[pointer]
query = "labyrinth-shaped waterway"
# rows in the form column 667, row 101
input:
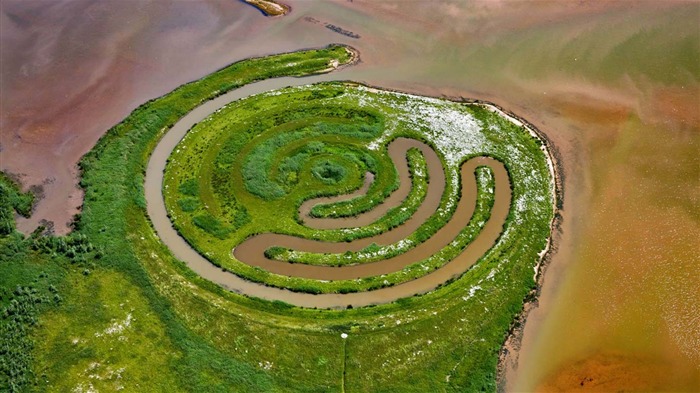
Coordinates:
column 338, row 194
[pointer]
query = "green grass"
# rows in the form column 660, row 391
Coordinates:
column 355, row 206
column 188, row 334
column 105, row 337
column 481, row 215
column 115, row 219
column 311, row 337
column 29, row 285
column 12, row 200
column 329, row 171
column 507, row 268
column 31, row 282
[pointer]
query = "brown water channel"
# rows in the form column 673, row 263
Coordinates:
column 252, row 250
column 182, row 250
column 397, row 151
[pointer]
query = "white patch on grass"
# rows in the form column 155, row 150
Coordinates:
column 116, row 327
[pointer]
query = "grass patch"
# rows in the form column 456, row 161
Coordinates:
column 12, row 200
column 104, row 337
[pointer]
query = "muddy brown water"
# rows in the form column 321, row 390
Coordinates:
column 252, row 250
column 254, row 247
column 397, row 151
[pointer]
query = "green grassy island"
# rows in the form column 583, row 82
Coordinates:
column 398, row 235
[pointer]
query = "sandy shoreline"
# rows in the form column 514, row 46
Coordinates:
column 509, row 351
column 270, row 8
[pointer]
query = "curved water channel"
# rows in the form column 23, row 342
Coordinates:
column 485, row 240
column 251, row 251
column 362, row 219
column 397, row 150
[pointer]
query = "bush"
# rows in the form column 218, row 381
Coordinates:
column 12, row 200
column 211, row 225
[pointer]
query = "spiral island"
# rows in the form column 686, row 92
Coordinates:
column 331, row 236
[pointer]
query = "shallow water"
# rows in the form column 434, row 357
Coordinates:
column 611, row 83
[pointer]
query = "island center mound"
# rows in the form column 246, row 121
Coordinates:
column 337, row 194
